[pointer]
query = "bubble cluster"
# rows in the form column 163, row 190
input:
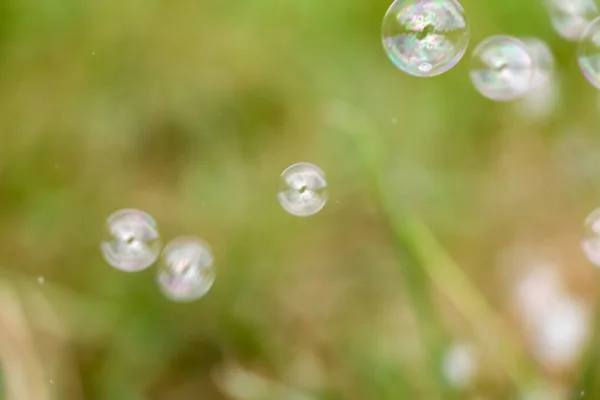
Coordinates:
column 591, row 237
column 302, row 190
column 501, row 68
column 425, row 37
column 187, row 271
column 133, row 241
column 570, row 17
column 589, row 53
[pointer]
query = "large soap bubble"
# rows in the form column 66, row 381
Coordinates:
column 425, row 37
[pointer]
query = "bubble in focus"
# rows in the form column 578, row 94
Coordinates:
column 302, row 189
column 570, row 17
column 589, row 53
column 187, row 271
column 133, row 242
column 425, row 37
column 501, row 68
column 591, row 237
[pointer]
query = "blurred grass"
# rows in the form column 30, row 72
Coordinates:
column 190, row 110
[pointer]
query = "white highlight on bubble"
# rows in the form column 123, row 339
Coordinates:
column 187, row 272
column 302, row 190
column 501, row 68
column 425, row 37
column 133, row 242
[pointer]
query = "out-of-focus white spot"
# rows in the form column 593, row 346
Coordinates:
column 556, row 324
column 460, row 365
column 536, row 292
column 561, row 333
column 40, row 280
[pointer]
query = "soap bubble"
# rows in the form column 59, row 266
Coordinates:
column 302, row 190
column 501, row 68
column 542, row 97
column 425, row 37
column 591, row 237
column 133, row 242
column 187, row 271
column 589, row 53
column 570, row 17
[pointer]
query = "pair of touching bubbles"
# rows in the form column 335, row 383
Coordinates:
column 133, row 244
column 426, row 38
column 186, row 271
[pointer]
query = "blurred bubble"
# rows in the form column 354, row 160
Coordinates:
column 542, row 96
column 459, row 365
column 570, row 17
column 501, row 68
column 302, row 189
column 425, row 37
column 133, row 242
column 41, row 280
column 589, row 53
column 187, row 271
column 591, row 237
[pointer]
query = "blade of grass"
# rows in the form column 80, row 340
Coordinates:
column 418, row 249
column 433, row 334
column 587, row 382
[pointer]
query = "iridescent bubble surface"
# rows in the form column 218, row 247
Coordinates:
column 187, row 271
column 425, row 37
column 302, row 190
column 133, row 241
column 501, row 68
column 590, row 243
column 570, row 17
column 589, row 53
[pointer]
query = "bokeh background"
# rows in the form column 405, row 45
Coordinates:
column 447, row 263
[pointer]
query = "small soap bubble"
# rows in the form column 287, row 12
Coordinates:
column 425, row 37
column 570, row 17
column 302, row 190
column 132, row 242
column 589, row 53
column 501, row 68
column 187, row 271
column 591, row 237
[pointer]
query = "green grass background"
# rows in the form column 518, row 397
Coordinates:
column 190, row 110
